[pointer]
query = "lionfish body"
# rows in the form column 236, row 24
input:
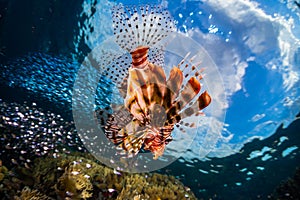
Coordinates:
column 153, row 103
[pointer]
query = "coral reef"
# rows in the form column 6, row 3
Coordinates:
column 74, row 183
column 79, row 176
column 153, row 186
column 73, row 177
column 3, row 171
column 28, row 194
column 289, row 189
column 6, row 186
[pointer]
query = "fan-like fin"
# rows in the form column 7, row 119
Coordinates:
column 190, row 90
column 133, row 137
column 157, row 56
column 203, row 101
column 140, row 25
column 174, row 82
column 117, row 70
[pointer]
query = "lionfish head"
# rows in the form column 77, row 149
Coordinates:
column 156, row 142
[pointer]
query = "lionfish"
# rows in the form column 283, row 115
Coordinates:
column 153, row 104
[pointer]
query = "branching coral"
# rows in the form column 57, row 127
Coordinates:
column 28, row 194
column 74, row 183
column 76, row 177
column 81, row 177
column 3, row 171
column 154, row 186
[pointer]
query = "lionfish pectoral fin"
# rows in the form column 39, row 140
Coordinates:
column 113, row 123
column 122, row 117
column 123, row 87
column 203, row 101
column 189, row 92
column 187, row 123
column 114, row 67
column 101, row 116
column 175, row 81
column 131, row 143
column 112, row 131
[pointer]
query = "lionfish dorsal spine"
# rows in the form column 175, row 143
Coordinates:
column 141, row 25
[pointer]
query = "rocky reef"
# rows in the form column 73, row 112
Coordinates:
column 80, row 176
column 290, row 188
column 3, row 171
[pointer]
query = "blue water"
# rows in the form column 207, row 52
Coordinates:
column 254, row 44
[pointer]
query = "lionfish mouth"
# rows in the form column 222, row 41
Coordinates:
column 157, row 148
column 158, row 151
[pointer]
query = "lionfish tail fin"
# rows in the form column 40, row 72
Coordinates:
column 140, row 25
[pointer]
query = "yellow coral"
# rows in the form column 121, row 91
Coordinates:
column 1, row 176
column 28, row 194
column 3, row 171
column 74, row 183
column 78, row 177
column 153, row 187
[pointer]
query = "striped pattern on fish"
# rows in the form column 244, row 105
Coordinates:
column 153, row 104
